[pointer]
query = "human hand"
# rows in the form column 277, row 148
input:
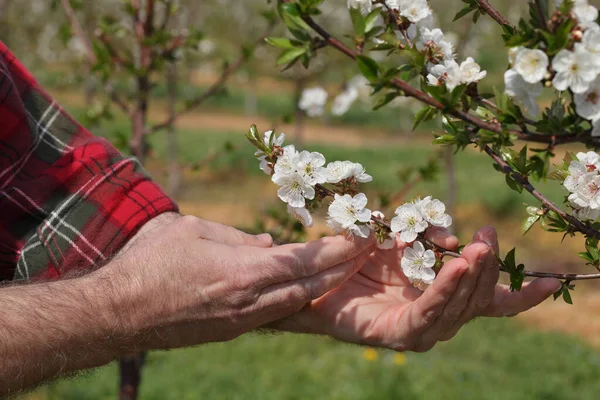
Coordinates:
column 187, row 281
column 379, row 307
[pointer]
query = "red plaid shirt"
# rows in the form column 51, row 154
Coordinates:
column 67, row 199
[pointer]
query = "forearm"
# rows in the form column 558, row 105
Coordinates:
column 56, row 328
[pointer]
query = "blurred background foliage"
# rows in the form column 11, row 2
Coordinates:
column 548, row 353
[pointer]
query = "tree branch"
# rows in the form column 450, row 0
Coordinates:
column 90, row 54
column 409, row 91
column 492, row 12
column 216, row 86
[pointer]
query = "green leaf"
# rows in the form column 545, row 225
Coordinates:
column 558, row 175
column 466, row 10
column 529, row 222
column 385, row 100
column 425, row 114
column 368, row 67
column 282, row 42
column 513, row 184
column 289, row 55
column 358, row 22
column 371, row 20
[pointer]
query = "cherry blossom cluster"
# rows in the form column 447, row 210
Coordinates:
column 442, row 67
column 583, row 183
column 305, row 180
column 574, row 69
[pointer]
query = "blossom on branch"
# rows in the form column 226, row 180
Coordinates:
column 409, row 222
column 417, row 263
column 294, row 189
column 524, row 93
column 302, row 215
column 434, row 212
column 575, row 70
column 532, row 65
column 349, row 214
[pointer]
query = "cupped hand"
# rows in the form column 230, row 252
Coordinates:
column 379, row 307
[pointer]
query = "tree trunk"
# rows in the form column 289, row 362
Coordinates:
column 138, row 145
column 131, row 375
column 174, row 174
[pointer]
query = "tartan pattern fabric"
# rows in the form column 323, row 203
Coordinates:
column 68, row 200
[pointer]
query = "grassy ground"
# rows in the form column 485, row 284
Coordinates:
column 489, row 360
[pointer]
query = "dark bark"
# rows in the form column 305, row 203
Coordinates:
column 174, row 174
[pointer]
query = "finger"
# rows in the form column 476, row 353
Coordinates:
column 509, row 304
column 484, row 291
column 490, row 236
column 300, row 260
column 459, row 304
column 423, row 313
column 217, row 232
column 284, row 299
column 442, row 237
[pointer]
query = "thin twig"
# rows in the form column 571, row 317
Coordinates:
column 216, row 86
column 90, row 54
column 492, row 12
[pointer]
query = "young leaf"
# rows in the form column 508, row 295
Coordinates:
column 282, row 42
column 425, row 114
column 368, row 67
column 289, row 55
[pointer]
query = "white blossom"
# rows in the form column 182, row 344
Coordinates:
column 524, row 93
column 586, row 213
column 313, row 101
column 417, row 263
column 287, row 162
column 591, row 43
column 294, row 190
column 512, row 54
column 310, row 166
column 585, row 12
column 409, row 222
column 587, row 193
column 337, row 171
column 532, row 65
column 575, row 70
column 302, row 215
column 471, row 72
column 434, row 212
column 348, row 214
column 344, row 101
column 359, row 173
column 448, row 72
column 264, row 165
column 434, row 38
column 586, row 163
column 414, row 10
column 588, row 103
column 364, row 6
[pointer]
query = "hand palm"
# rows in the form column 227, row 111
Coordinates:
column 378, row 306
column 373, row 302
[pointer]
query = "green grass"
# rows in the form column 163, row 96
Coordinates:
column 489, row 360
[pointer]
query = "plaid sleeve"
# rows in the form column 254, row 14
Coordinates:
column 67, row 199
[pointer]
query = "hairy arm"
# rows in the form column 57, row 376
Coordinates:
column 52, row 329
column 56, row 328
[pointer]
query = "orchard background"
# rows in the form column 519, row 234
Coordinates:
column 551, row 352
